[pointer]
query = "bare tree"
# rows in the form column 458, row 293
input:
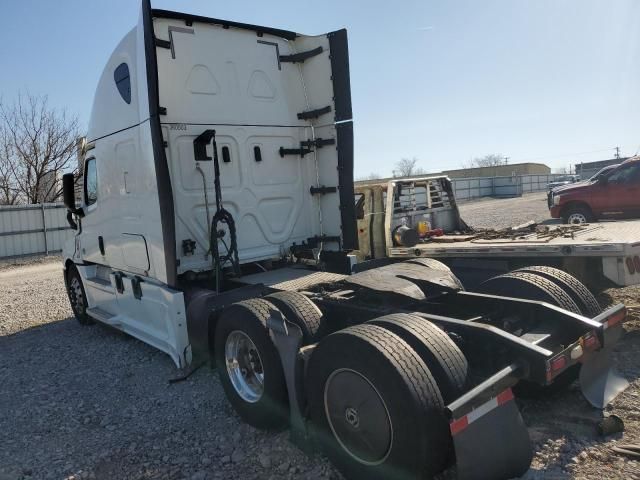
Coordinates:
column 37, row 145
column 491, row 160
column 406, row 168
column 8, row 189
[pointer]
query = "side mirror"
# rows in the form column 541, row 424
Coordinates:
column 69, row 199
column 69, row 191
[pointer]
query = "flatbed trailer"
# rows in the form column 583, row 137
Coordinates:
column 608, row 250
column 217, row 224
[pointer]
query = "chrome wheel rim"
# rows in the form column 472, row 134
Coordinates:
column 358, row 416
column 76, row 296
column 576, row 219
column 244, row 366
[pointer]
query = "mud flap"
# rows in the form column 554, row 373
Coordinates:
column 492, row 441
column 287, row 337
column 599, row 381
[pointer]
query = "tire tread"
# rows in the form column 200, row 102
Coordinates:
column 300, row 310
column 446, row 361
column 556, row 295
column 574, row 287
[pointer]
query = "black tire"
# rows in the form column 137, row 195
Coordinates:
column 580, row 294
column 77, row 296
column 529, row 286
column 577, row 211
column 303, row 312
column 270, row 410
column 375, row 408
column 535, row 287
column 442, row 356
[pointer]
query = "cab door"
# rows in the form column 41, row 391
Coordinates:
column 621, row 193
column 91, row 239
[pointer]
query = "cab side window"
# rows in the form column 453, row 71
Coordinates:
column 90, row 182
column 630, row 174
column 123, row 81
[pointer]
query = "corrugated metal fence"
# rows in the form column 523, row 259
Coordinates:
column 33, row 229
column 43, row 228
column 511, row 186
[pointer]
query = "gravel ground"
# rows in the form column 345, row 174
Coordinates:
column 506, row 212
column 90, row 402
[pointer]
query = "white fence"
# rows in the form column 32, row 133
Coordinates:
column 33, row 229
column 43, row 228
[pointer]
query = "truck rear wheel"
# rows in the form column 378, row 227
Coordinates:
column 534, row 287
column 442, row 356
column 375, row 407
column 529, row 286
column 249, row 365
column 578, row 292
column 300, row 310
column 77, row 296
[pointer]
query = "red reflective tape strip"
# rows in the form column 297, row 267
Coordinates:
column 458, row 425
column 505, row 396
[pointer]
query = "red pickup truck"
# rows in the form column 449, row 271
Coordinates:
column 611, row 196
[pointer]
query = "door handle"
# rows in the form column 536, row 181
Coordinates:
column 101, row 245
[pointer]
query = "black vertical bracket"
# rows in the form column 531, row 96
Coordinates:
column 200, row 145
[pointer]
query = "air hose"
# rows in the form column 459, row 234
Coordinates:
column 222, row 217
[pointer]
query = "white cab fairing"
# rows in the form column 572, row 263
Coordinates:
column 234, row 81
column 171, row 78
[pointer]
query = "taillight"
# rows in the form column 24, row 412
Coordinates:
column 589, row 341
column 558, row 364
column 615, row 318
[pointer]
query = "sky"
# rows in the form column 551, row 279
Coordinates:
column 444, row 81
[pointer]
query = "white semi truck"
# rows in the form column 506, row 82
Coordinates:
column 217, row 222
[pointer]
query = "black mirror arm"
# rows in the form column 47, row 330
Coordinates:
column 71, row 221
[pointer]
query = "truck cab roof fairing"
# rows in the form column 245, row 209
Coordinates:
column 110, row 113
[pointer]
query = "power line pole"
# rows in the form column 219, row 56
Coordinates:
column 506, row 160
column 618, row 153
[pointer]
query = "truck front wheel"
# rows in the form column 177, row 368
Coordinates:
column 77, row 296
column 249, row 366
